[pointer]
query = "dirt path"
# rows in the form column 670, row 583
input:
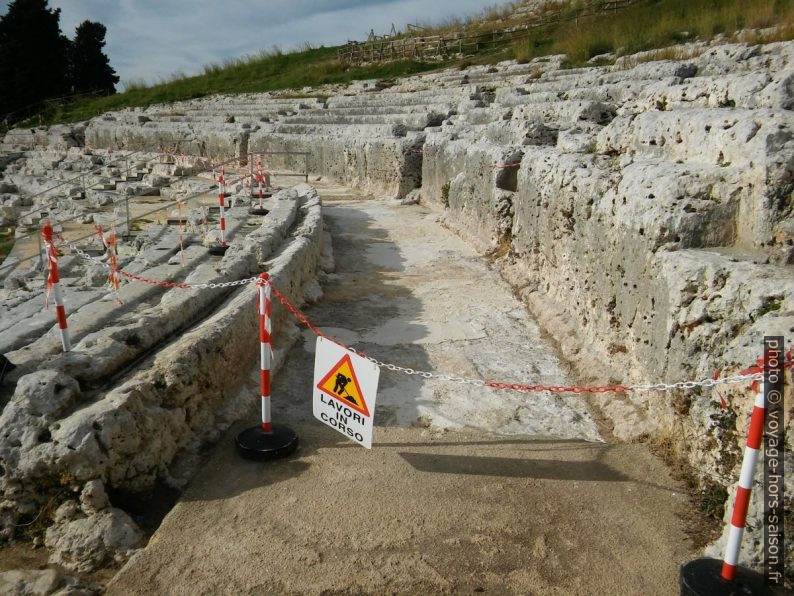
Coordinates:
column 466, row 489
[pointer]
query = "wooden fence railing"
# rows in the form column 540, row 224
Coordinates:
column 439, row 47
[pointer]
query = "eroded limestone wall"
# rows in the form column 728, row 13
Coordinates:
column 83, row 417
column 643, row 210
column 649, row 226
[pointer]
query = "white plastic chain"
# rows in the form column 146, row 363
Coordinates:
column 224, row 284
column 84, row 255
column 462, row 380
column 211, row 285
column 692, row 384
column 422, row 373
column 634, row 388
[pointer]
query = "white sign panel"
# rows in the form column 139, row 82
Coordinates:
column 345, row 386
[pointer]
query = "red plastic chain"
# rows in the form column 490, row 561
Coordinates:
column 239, row 180
column 557, row 389
column 578, row 389
column 153, row 282
column 303, row 319
column 493, row 384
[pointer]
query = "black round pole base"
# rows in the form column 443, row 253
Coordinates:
column 218, row 251
column 254, row 443
column 258, row 211
column 702, row 577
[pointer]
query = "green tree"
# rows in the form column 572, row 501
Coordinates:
column 33, row 55
column 90, row 68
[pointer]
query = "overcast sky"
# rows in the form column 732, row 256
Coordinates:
column 152, row 39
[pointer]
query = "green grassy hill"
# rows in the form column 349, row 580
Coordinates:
column 644, row 25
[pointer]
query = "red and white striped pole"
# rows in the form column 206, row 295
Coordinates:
column 742, row 500
column 266, row 440
column 181, row 233
column 265, row 348
column 259, row 178
column 54, row 283
column 221, row 204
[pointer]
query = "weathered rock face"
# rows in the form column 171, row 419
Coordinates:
column 58, row 136
column 93, row 535
column 80, row 421
column 45, row 582
column 652, row 235
column 366, row 141
column 643, row 210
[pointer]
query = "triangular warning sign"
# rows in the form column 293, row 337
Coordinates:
column 341, row 384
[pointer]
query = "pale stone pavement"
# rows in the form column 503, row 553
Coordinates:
column 465, row 488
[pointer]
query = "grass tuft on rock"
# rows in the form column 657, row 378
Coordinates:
column 655, row 24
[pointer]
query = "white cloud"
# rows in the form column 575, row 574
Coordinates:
column 152, row 39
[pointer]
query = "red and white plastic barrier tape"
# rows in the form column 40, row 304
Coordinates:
column 109, row 244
